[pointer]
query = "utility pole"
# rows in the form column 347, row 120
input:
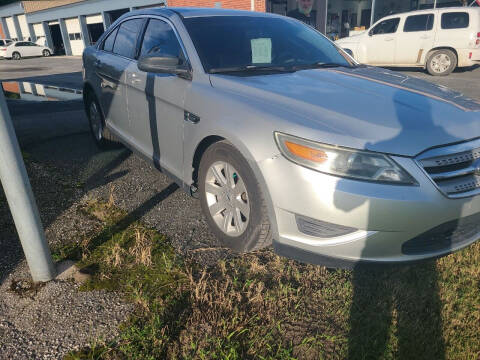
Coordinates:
column 17, row 188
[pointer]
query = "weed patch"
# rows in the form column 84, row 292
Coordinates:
column 261, row 306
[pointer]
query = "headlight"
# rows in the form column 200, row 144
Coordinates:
column 343, row 162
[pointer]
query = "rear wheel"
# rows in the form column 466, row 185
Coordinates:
column 46, row 53
column 16, row 56
column 441, row 62
column 102, row 136
column 231, row 199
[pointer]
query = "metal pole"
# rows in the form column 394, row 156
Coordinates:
column 14, row 179
column 435, row 4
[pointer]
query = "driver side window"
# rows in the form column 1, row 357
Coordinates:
column 389, row 26
column 160, row 40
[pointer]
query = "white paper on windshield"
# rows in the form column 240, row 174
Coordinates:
column 261, row 51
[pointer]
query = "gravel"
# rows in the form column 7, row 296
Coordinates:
column 65, row 172
column 55, row 320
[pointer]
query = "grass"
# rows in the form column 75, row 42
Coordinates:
column 261, row 306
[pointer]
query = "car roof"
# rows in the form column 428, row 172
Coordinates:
column 429, row 11
column 190, row 12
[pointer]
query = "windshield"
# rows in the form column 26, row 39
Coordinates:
column 257, row 42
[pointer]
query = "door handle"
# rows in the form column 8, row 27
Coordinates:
column 424, row 37
column 389, row 39
column 134, row 79
column 191, row 118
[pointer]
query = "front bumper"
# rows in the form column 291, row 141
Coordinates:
column 383, row 217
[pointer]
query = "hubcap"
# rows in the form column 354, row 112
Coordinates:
column 227, row 198
column 441, row 63
column 46, row 53
column 96, row 121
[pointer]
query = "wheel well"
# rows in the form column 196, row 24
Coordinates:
column 441, row 48
column 201, row 148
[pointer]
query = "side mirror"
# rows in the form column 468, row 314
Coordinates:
column 370, row 33
column 164, row 65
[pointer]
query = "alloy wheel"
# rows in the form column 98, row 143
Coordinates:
column 227, row 198
column 441, row 63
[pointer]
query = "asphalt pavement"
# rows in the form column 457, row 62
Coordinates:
column 55, row 70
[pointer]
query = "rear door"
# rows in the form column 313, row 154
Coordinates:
column 415, row 39
column 381, row 42
column 156, row 101
column 117, row 52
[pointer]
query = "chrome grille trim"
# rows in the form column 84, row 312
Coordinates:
column 455, row 169
column 452, row 159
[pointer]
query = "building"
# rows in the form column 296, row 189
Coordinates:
column 68, row 26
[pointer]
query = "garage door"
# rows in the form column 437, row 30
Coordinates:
column 39, row 34
column 22, row 20
column 38, row 28
column 11, row 28
column 94, row 19
column 75, row 36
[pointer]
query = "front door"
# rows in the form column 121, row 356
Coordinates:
column 415, row 39
column 380, row 42
column 156, row 101
column 118, row 52
column 22, row 48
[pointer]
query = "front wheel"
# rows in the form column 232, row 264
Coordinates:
column 46, row 53
column 231, row 199
column 16, row 56
column 441, row 62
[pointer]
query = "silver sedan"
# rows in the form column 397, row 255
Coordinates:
column 286, row 139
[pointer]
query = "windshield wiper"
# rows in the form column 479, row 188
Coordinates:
column 319, row 65
column 251, row 68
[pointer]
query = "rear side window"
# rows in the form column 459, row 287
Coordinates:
column 160, row 40
column 455, row 20
column 419, row 23
column 110, row 40
column 126, row 40
column 389, row 26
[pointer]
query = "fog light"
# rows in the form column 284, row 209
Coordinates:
column 321, row 229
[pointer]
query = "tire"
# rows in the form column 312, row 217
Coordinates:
column 441, row 62
column 253, row 231
column 102, row 136
column 46, row 53
column 16, row 56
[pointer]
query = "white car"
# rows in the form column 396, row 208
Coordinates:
column 436, row 39
column 5, row 42
column 18, row 49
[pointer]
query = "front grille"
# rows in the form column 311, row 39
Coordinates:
column 444, row 237
column 455, row 169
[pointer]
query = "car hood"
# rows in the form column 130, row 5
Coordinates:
column 363, row 107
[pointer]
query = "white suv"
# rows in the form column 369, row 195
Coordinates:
column 436, row 39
